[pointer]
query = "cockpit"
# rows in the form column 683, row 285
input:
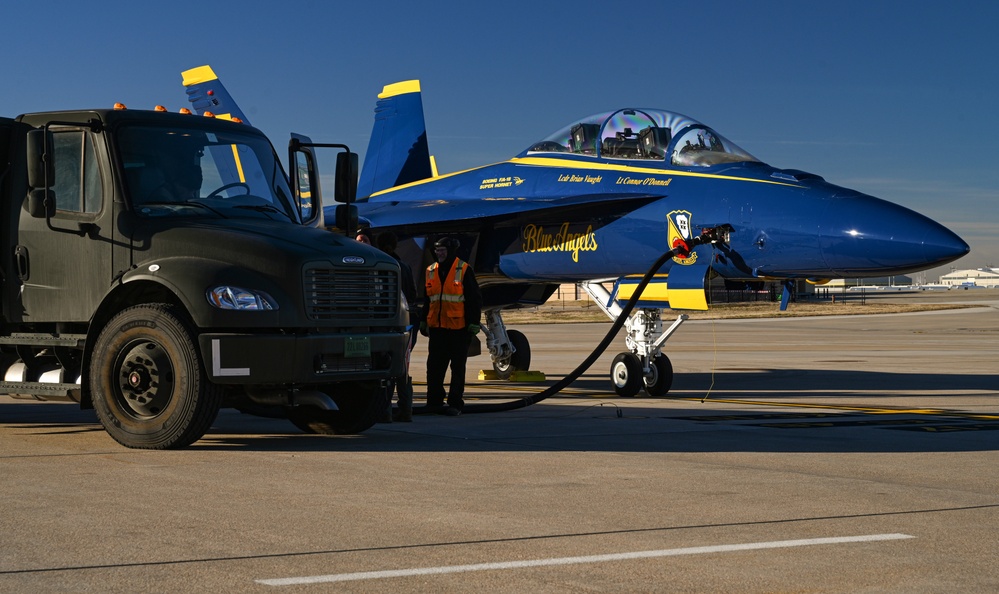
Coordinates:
column 643, row 134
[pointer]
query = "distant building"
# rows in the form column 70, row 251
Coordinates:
column 980, row 277
column 884, row 283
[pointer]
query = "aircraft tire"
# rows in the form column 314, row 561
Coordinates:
column 519, row 361
column 359, row 402
column 660, row 378
column 149, row 388
column 626, row 375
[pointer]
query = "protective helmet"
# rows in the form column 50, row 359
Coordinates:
column 450, row 243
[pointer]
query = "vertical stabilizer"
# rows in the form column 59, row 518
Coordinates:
column 206, row 93
column 397, row 153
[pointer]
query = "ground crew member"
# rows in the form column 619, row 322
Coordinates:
column 452, row 310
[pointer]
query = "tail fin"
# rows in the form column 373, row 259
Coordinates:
column 397, row 153
column 206, row 93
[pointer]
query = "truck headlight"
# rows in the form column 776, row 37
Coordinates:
column 229, row 297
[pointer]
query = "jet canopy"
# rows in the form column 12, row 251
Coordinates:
column 643, row 134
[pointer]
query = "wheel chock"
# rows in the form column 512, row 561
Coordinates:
column 527, row 376
column 516, row 376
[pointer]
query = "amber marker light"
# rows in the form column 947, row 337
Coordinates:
column 209, row 114
column 120, row 107
column 159, row 108
column 185, row 111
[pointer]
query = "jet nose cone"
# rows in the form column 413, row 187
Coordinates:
column 866, row 236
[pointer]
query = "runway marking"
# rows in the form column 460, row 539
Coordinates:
column 751, row 546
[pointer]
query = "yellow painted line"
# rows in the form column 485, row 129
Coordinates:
column 873, row 410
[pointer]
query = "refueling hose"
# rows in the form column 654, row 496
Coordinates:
column 705, row 237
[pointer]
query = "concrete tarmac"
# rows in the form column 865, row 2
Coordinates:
column 823, row 454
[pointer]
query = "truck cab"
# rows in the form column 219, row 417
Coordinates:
column 160, row 266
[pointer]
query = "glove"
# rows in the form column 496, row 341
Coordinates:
column 474, row 328
column 423, row 328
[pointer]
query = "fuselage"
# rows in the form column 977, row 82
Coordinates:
column 605, row 197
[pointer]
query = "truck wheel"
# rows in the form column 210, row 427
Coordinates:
column 360, row 404
column 148, row 385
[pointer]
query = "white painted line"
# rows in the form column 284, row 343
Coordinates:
column 777, row 544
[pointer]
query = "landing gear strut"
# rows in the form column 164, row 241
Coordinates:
column 509, row 349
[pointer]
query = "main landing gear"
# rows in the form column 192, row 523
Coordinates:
column 509, row 349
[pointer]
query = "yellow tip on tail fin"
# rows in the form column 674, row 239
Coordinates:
column 198, row 75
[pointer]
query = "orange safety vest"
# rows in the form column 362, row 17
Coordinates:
column 447, row 301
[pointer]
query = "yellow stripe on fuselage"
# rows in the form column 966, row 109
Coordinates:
column 553, row 163
column 564, row 164
column 198, row 75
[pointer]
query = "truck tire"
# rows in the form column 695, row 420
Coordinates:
column 148, row 385
column 360, row 404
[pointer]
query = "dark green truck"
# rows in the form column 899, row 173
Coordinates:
column 157, row 267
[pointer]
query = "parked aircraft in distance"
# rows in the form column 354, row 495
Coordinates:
column 602, row 198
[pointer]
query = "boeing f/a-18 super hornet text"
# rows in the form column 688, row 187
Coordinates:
column 602, row 199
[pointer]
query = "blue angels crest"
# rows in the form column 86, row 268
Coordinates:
column 680, row 234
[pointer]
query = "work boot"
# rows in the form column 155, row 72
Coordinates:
column 450, row 411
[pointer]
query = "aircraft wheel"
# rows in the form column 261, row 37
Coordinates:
column 519, row 361
column 149, row 387
column 660, row 377
column 359, row 402
column 626, row 374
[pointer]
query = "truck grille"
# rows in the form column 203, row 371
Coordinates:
column 351, row 294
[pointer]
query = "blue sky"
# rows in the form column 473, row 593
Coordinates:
column 895, row 99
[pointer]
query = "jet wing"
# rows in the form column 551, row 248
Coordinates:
column 444, row 214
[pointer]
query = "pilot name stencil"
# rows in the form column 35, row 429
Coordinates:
column 580, row 179
column 644, row 181
column 536, row 240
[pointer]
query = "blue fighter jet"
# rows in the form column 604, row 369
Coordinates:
column 601, row 199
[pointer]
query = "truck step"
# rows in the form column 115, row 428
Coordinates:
column 41, row 391
column 49, row 340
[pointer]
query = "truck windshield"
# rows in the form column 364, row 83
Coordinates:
column 194, row 172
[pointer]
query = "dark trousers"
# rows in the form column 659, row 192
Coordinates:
column 446, row 347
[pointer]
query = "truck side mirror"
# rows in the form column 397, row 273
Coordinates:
column 305, row 179
column 346, row 216
column 41, row 203
column 41, row 165
column 345, row 189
